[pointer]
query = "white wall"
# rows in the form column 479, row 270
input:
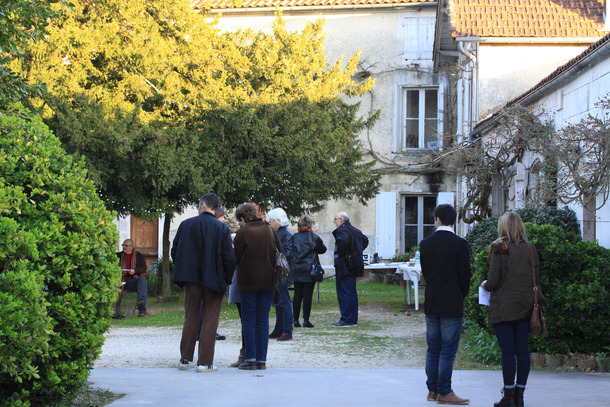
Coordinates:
column 573, row 102
column 505, row 72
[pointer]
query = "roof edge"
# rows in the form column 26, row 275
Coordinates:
column 529, row 40
column 320, row 8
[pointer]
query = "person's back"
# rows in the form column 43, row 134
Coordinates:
column 200, row 240
column 445, row 265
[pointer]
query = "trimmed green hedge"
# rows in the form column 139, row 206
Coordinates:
column 575, row 279
column 486, row 231
column 57, row 266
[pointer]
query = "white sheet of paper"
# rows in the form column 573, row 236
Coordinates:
column 484, row 296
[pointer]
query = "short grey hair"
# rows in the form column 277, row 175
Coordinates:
column 279, row 215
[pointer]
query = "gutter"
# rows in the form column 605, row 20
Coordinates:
column 474, row 108
column 528, row 40
column 548, row 85
column 320, row 8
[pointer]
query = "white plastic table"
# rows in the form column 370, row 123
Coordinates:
column 411, row 275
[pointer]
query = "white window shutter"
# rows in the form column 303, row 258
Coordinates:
column 385, row 237
column 124, row 229
column 446, row 198
column 425, row 38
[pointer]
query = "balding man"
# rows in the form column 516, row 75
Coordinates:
column 349, row 244
column 135, row 278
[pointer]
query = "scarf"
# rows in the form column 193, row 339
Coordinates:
column 124, row 264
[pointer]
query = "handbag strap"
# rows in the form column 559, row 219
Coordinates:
column 534, row 275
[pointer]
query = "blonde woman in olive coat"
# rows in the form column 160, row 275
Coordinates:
column 512, row 300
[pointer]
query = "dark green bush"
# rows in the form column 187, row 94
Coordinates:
column 486, row 231
column 57, row 266
column 575, row 279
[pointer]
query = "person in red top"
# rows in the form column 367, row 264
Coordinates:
column 135, row 278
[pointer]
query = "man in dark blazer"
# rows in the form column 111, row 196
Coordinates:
column 445, row 265
column 204, row 262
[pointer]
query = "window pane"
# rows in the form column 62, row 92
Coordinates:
column 411, row 130
column 411, row 211
column 431, row 103
column 428, row 230
column 410, row 237
column 430, row 133
column 429, row 205
column 412, row 104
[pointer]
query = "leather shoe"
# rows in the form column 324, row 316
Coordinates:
column 451, row 398
column 145, row 314
column 432, row 395
column 247, row 366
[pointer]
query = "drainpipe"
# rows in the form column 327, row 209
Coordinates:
column 474, row 105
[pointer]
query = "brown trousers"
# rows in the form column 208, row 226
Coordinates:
column 194, row 296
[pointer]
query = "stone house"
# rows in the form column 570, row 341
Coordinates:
column 440, row 67
column 498, row 49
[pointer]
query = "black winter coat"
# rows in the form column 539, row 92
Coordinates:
column 348, row 239
column 307, row 246
column 445, row 263
column 203, row 253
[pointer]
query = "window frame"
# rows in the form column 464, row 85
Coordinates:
column 421, row 118
column 420, row 218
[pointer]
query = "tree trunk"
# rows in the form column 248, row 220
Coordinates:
column 588, row 220
column 166, row 289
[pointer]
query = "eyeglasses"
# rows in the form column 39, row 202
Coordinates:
column 127, row 245
column 336, row 219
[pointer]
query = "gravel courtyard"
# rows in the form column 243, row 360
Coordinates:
column 383, row 339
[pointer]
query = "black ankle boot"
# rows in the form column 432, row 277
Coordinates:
column 508, row 399
column 519, row 396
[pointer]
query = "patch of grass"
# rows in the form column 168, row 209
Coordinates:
column 91, row 397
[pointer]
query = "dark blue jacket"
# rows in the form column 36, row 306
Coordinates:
column 202, row 253
column 287, row 242
column 348, row 239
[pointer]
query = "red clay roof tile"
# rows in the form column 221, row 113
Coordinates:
column 527, row 18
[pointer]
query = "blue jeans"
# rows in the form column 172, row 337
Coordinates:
column 141, row 287
column 443, row 338
column 512, row 338
column 283, row 311
column 255, row 306
column 347, row 296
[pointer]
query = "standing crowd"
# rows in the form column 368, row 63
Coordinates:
column 209, row 261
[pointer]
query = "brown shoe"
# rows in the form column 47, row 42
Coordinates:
column 145, row 314
column 432, row 395
column 451, row 398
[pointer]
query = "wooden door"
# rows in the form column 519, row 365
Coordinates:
column 146, row 237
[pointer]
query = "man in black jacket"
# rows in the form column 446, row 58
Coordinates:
column 349, row 244
column 446, row 268
column 204, row 262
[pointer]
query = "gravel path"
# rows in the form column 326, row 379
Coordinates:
column 382, row 340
